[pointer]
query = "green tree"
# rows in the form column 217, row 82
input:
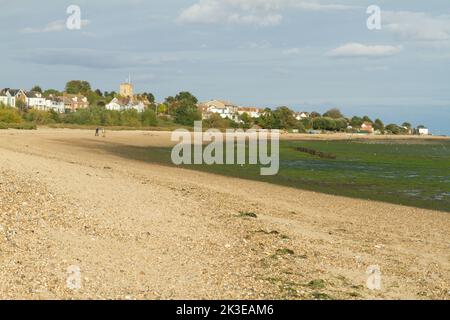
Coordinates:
column 186, row 96
column 285, row 119
column 393, row 128
column 356, row 122
column 78, row 87
column 37, row 89
column 247, row 121
column 333, row 113
column 150, row 97
column 378, row 125
column 367, row 119
column 407, row 125
column 187, row 113
column 51, row 92
column 267, row 120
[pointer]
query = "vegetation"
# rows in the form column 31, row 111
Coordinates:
column 412, row 173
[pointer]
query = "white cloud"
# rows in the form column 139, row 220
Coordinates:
column 96, row 59
column 360, row 50
column 54, row 26
column 292, row 51
column 256, row 45
column 248, row 12
column 417, row 26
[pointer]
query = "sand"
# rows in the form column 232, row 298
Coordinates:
column 143, row 231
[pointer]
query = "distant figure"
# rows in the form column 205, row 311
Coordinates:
column 103, row 132
column 97, row 130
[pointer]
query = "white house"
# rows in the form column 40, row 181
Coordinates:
column 301, row 115
column 117, row 104
column 7, row 99
column 35, row 100
column 252, row 112
column 223, row 108
column 424, row 131
column 56, row 104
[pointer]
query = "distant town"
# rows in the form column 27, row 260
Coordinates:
column 78, row 104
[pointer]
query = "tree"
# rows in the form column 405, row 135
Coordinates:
column 285, row 119
column 247, row 121
column 51, row 92
column 187, row 113
column 186, row 96
column 36, row 89
column 78, row 87
column 150, row 97
column 315, row 114
column 378, row 125
column 356, row 122
column 183, row 98
column 334, row 114
column 393, row 128
column 267, row 120
column 367, row 119
column 162, row 108
column 407, row 125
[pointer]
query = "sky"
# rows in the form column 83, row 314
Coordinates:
column 310, row 55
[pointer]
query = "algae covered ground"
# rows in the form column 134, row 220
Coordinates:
column 412, row 173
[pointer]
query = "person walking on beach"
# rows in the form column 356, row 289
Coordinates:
column 104, row 132
column 97, row 131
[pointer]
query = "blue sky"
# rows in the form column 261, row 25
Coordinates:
column 307, row 54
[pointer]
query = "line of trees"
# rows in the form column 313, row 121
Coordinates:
column 182, row 109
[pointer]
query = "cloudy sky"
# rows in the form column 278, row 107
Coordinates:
column 307, row 54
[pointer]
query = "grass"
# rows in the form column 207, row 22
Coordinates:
column 412, row 173
column 321, row 296
column 20, row 126
column 317, row 284
column 248, row 215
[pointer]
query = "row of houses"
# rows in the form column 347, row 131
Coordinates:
column 35, row 100
column 231, row 111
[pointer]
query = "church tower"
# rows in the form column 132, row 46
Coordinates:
column 126, row 89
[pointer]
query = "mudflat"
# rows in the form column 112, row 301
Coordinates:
column 138, row 230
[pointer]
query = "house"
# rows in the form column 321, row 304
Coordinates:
column 55, row 103
column 73, row 102
column 367, row 127
column 251, row 111
column 125, row 103
column 35, row 100
column 7, row 99
column 301, row 115
column 424, row 131
column 223, row 108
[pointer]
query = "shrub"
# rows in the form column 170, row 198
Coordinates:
column 10, row 115
column 149, row 119
column 40, row 117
